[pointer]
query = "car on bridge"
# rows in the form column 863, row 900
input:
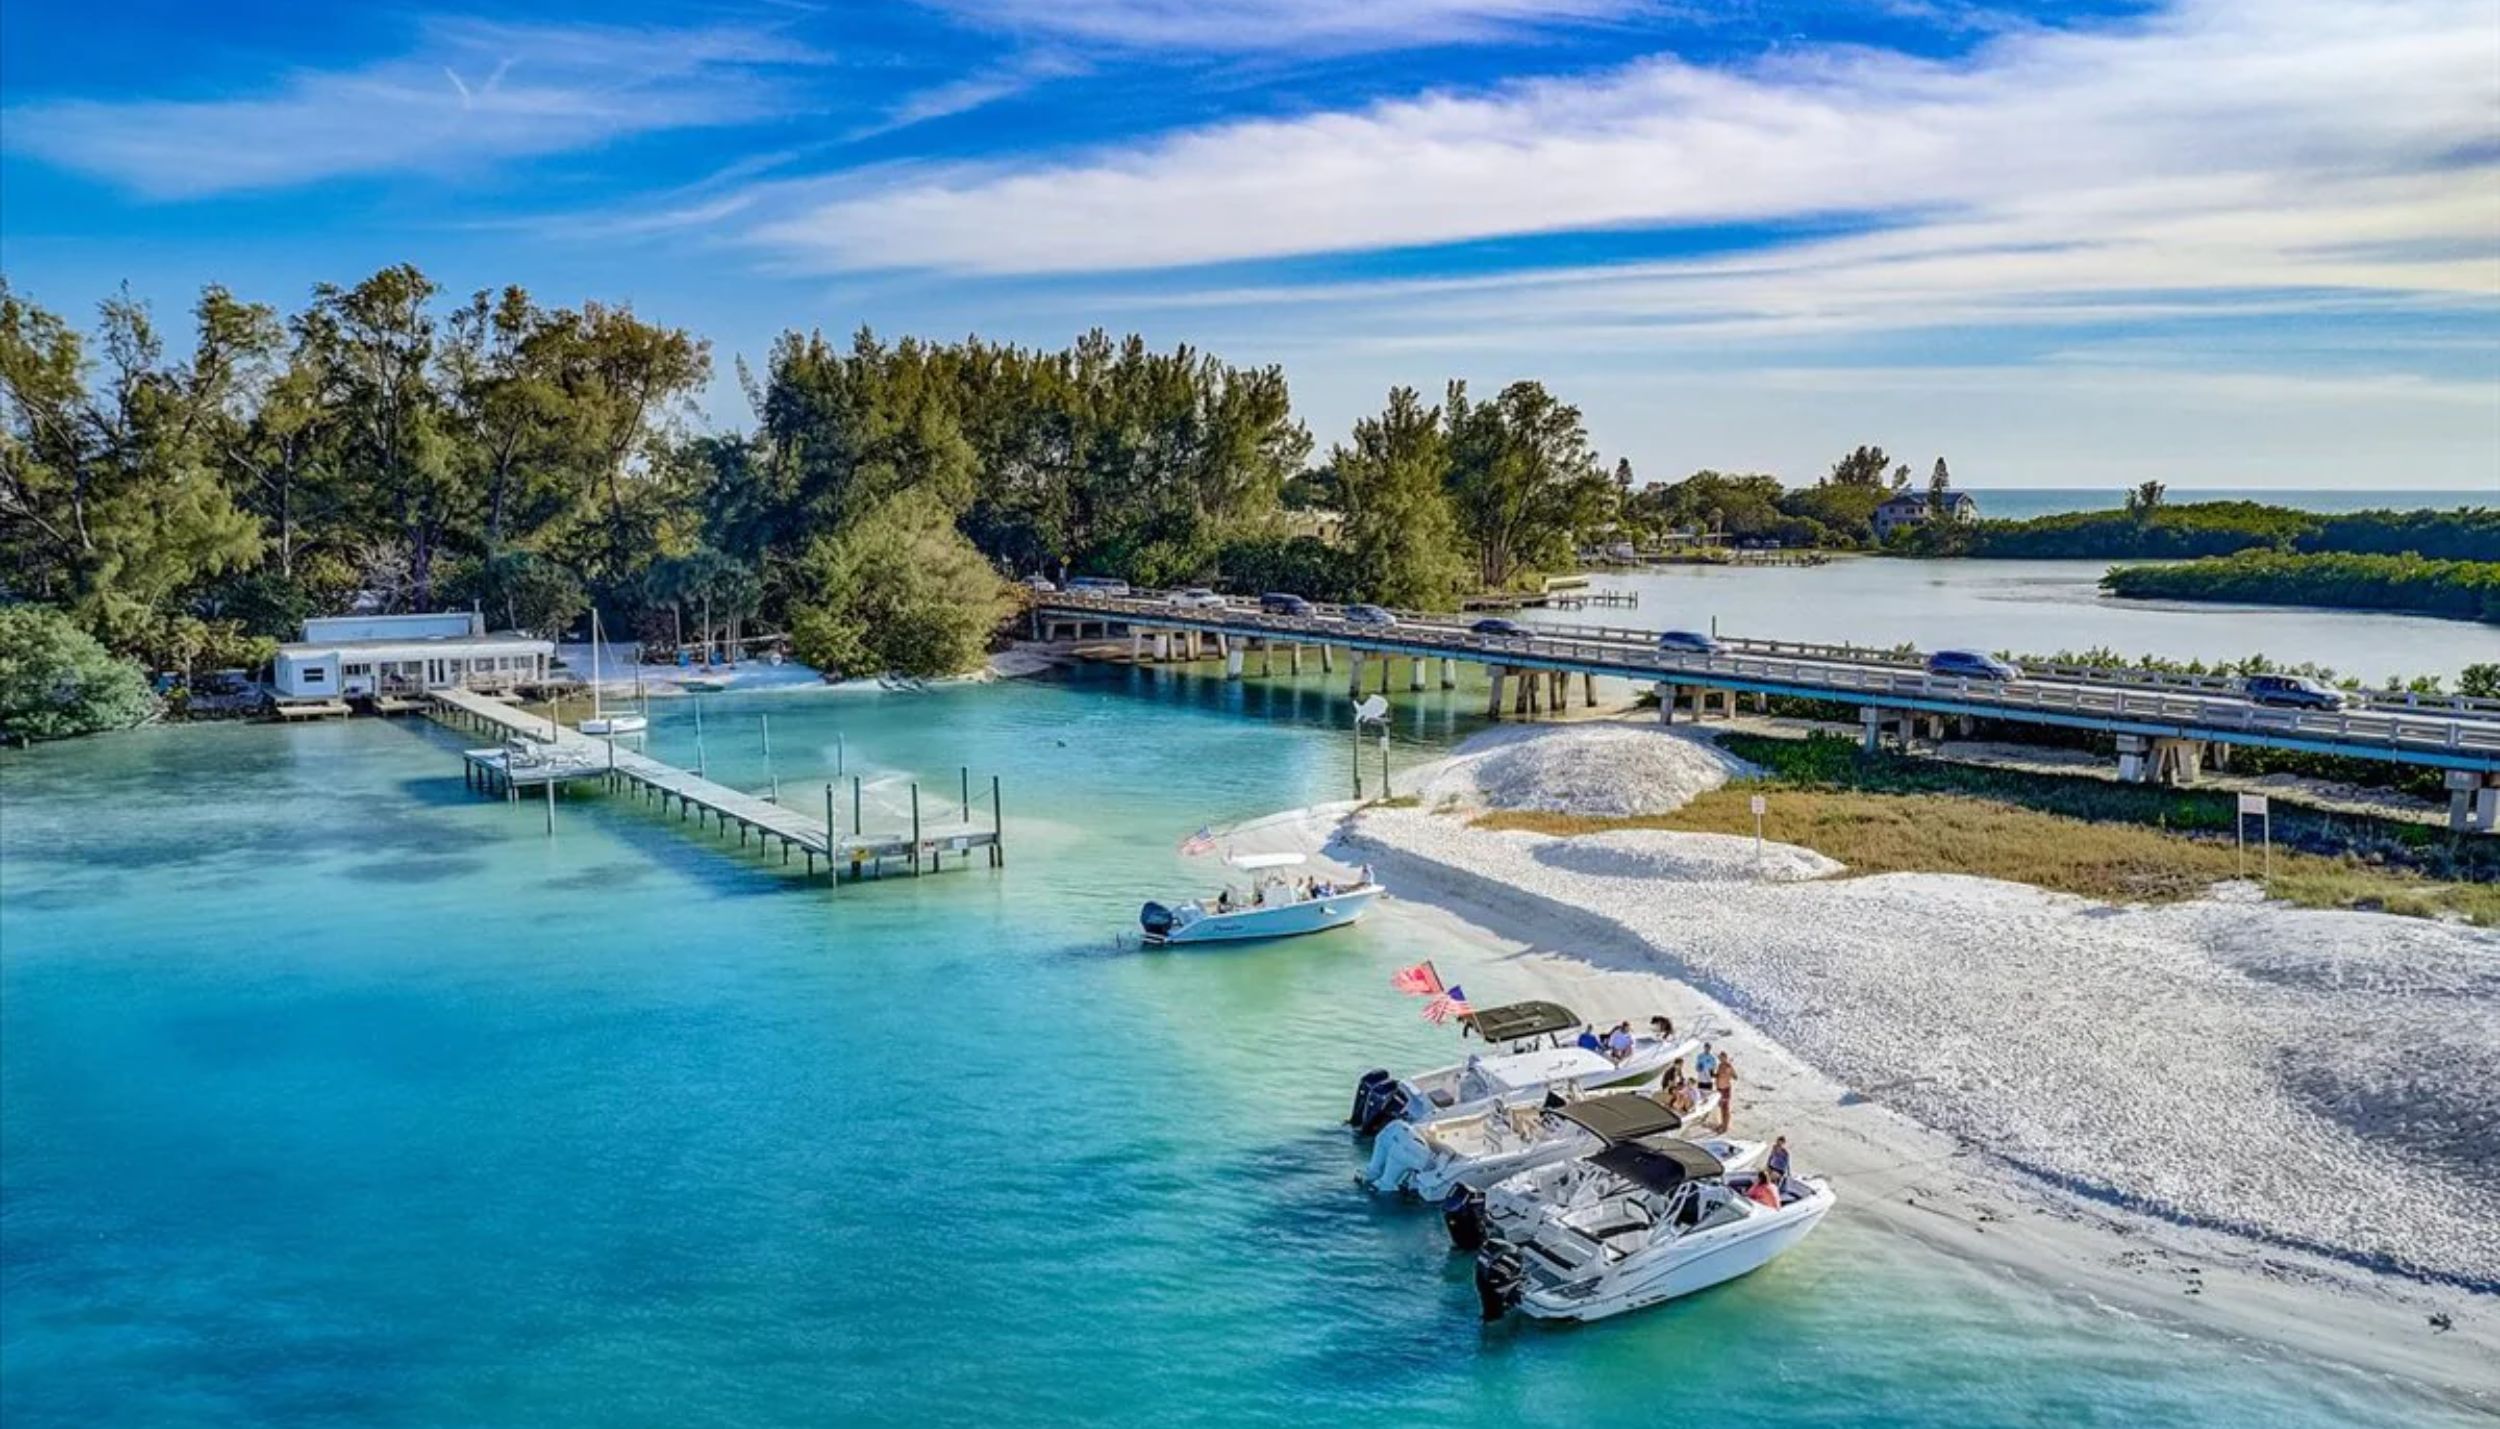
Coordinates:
column 1368, row 615
column 1284, row 602
column 1689, row 642
column 1496, row 625
column 2297, row 692
column 1039, row 585
column 1197, row 597
column 1097, row 585
column 1973, row 665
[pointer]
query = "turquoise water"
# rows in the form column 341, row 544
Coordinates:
column 331, row 1093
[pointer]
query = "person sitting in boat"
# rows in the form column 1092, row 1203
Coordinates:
column 1663, row 1028
column 1619, row 1042
column 1762, row 1192
column 1589, row 1040
column 1224, row 900
column 1365, row 880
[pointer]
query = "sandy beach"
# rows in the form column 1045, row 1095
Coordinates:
column 2241, row 1120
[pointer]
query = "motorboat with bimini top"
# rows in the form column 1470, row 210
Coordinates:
column 1538, row 1065
column 1434, row 1160
column 1642, row 1221
column 1276, row 906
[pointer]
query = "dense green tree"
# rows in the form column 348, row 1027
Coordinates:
column 519, row 590
column 1524, row 481
column 1391, row 481
column 110, row 498
column 1939, row 488
column 897, row 591
column 57, row 681
column 1863, row 468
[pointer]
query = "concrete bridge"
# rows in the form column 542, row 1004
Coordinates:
column 2166, row 727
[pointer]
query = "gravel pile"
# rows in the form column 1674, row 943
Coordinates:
column 1608, row 770
column 2317, row 1079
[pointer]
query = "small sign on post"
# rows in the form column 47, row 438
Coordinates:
column 2255, row 805
column 1761, row 806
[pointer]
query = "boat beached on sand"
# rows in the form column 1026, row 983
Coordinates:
column 1276, row 907
column 1431, row 1161
column 1642, row 1221
column 1539, row 1064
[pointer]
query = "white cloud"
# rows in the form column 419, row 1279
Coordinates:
column 968, row 92
column 1302, row 26
column 2224, row 146
column 470, row 93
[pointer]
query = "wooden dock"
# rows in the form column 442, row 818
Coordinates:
column 541, row 755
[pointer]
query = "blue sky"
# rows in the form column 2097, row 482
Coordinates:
column 2216, row 242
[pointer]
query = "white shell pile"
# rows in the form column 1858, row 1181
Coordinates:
column 1611, row 770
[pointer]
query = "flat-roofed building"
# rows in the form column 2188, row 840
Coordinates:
column 367, row 656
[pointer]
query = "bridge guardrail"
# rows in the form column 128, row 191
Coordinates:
column 1838, row 677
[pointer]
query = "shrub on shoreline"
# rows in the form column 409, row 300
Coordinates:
column 56, row 680
column 2463, row 590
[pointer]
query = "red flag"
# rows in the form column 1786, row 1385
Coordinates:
column 1420, row 980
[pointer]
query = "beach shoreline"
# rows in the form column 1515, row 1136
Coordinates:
column 1905, row 1177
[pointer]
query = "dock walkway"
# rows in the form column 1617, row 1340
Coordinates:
column 566, row 755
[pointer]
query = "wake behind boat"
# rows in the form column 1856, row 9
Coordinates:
column 1275, row 906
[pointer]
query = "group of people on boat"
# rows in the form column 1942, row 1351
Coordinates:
column 1279, row 891
column 1616, row 1044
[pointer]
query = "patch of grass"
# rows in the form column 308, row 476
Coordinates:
column 2123, row 843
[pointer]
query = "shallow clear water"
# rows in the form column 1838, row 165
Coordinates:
column 2031, row 607
column 333, row 1093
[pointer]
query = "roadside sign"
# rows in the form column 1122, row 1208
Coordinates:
column 1762, row 806
column 2255, row 806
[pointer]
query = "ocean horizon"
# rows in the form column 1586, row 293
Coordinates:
column 2022, row 503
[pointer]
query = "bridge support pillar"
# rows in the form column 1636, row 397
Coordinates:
column 1232, row 664
column 1293, row 659
column 1327, row 661
column 1385, row 662
column 1163, row 646
column 1449, row 673
column 1870, row 727
column 2134, row 758
column 1666, row 702
column 1354, row 676
column 1415, row 674
column 1500, row 675
column 1524, row 701
column 1588, row 689
column 2178, row 761
column 2473, row 801
column 1223, row 645
column 1136, row 646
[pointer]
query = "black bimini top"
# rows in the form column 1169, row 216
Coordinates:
column 1660, row 1163
column 1518, row 1021
column 1620, row 1116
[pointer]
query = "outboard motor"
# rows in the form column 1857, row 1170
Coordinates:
column 1155, row 919
column 1366, row 1092
column 1500, row 1278
column 1389, row 1104
column 1462, row 1213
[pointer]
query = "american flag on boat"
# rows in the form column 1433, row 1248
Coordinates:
column 1454, row 1001
column 1422, row 980
column 1201, row 842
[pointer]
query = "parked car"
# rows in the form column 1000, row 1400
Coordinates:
column 1369, row 615
column 1279, row 602
column 1039, row 585
column 1496, row 625
column 1098, row 585
column 2292, row 692
column 1972, row 665
column 1197, row 597
column 1688, row 642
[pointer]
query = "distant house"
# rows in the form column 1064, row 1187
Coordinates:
column 1910, row 509
column 361, row 656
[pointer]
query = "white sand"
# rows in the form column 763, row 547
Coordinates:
column 2275, row 1122
column 1614, row 769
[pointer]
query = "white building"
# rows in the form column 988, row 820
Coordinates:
column 360, row 656
column 1910, row 509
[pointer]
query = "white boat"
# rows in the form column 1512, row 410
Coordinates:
column 1437, row 1160
column 1640, row 1222
column 1275, row 907
column 600, row 722
column 1539, row 1064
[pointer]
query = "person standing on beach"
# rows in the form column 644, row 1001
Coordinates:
column 1723, row 1081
